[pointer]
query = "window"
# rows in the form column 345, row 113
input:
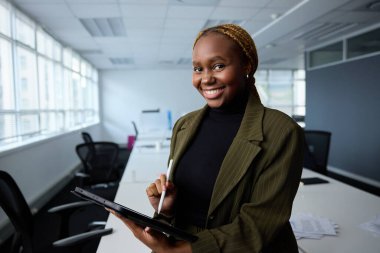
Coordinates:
column 46, row 83
column 26, row 78
column 25, row 30
column 349, row 48
column 328, row 54
column 6, row 76
column 363, row 44
column 5, row 19
column 45, row 88
column 283, row 90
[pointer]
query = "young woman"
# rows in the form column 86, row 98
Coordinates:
column 237, row 164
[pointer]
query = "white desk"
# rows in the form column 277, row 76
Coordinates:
column 146, row 163
column 122, row 240
column 162, row 134
column 345, row 205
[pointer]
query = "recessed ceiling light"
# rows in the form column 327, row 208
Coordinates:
column 270, row 45
column 274, row 16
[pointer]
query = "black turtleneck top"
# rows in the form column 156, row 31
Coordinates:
column 199, row 166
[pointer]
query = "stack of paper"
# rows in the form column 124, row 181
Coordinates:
column 306, row 225
column 372, row 225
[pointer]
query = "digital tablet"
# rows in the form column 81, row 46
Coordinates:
column 313, row 180
column 137, row 217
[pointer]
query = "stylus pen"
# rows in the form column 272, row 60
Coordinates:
column 164, row 192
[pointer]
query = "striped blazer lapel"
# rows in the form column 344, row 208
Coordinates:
column 241, row 153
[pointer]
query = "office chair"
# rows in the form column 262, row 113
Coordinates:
column 16, row 208
column 100, row 162
column 135, row 129
column 316, row 150
column 87, row 137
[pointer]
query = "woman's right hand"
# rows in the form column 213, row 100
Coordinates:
column 155, row 190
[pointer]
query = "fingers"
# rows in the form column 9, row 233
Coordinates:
column 163, row 182
column 155, row 189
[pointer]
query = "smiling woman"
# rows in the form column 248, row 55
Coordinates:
column 236, row 164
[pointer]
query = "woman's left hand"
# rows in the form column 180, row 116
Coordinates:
column 156, row 241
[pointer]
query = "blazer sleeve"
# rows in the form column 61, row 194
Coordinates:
column 269, row 209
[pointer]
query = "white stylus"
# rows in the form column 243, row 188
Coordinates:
column 164, row 192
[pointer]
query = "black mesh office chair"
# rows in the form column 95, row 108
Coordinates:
column 317, row 146
column 99, row 160
column 16, row 208
column 135, row 129
column 87, row 137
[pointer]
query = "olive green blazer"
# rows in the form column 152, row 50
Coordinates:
column 253, row 194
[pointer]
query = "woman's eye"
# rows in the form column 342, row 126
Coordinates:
column 197, row 69
column 218, row 66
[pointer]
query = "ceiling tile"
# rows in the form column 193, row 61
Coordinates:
column 144, row 23
column 91, row 2
column 191, row 12
column 266, row 14
column 144, row 33
column 182, row 34
column 80, row 43
column 65, row 23
column 184, row 23
column 143, row 11
column 164, row 2
column 47, row 10
column 287, row 4
column 117, row 50
column 223, row 13
column 96, row 10
column 39, row 1
column 244, row 3
column 253, row 26
column 100, row 61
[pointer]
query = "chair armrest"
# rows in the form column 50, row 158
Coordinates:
column 96, row 224
column 80, row 238
column 68, row 206
column 82, row 175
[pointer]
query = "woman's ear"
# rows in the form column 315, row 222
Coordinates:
column 248, row 68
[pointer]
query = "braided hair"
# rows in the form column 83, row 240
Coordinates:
column 246, row 44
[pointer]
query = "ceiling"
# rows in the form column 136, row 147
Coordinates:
column 136, row 34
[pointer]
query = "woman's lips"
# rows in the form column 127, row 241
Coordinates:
column 212, row 93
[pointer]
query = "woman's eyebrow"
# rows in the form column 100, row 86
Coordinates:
column 212, row 59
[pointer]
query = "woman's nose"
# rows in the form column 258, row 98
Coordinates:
column 207, row 77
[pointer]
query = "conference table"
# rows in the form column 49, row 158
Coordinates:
column 345, row 205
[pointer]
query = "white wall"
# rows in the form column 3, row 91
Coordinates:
column 125, row 93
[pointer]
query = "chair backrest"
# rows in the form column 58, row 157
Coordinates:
column 87, row 137
column 135, row 128
column 317, row 149
column 99, row 159
column 15, row 206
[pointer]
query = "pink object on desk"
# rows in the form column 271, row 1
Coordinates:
column 131, row 141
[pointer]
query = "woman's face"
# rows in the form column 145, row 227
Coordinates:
column 218, row 70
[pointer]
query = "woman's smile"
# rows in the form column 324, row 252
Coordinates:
column 212, row 93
